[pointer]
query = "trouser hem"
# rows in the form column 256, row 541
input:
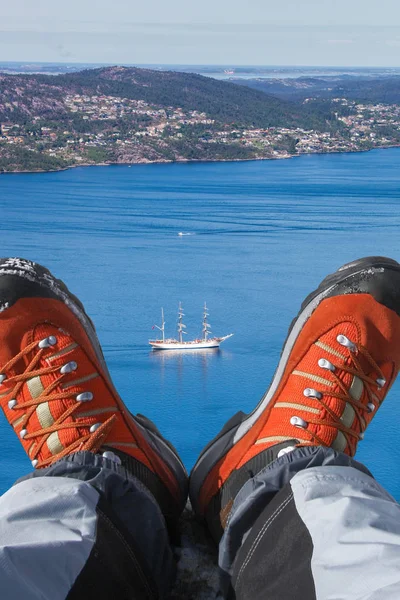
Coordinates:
column 258, row 492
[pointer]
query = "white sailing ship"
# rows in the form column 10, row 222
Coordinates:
column 179, row 344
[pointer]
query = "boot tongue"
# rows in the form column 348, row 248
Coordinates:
column 366, row 365
column 44, row 331
column 58, row 355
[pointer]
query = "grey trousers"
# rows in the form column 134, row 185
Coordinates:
column 312, row 525
column 84, row 528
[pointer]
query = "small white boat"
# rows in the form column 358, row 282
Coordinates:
column 180, row 344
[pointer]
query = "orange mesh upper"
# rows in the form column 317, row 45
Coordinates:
column 62, row 422
column 375, row 329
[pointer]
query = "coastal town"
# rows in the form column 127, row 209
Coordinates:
column 102, row 129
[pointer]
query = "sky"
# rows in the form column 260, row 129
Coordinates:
column 224, row 32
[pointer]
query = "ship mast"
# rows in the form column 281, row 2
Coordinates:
column 181, row 326
column 162, row 328
column 206, row 325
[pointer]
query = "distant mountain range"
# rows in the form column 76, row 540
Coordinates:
column 364, row 89
column 216, row 71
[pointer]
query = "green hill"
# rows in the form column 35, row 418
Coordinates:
column 220, row 100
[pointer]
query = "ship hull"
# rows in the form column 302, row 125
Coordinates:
column 194, row 345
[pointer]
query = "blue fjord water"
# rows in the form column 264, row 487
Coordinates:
column 263, row 235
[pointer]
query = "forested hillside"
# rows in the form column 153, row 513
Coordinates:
column 220, row 100
column 131, row 115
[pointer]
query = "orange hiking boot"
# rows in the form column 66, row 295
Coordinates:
column 56, row 391
column 339, row 360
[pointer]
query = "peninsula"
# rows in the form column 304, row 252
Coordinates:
column 120, row 115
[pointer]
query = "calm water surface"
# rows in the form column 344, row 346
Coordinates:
column 263, row 235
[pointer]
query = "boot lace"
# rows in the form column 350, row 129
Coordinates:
column 96, row 433
column 351, row 434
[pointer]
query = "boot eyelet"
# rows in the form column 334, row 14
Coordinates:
column 371, row 407
column 326, row 364
column 344, row 341
column 95, row 427
column 311, row 393
column 12, row 403
column 298, row 422
column 47, row 342
column 69, row 367
column 84, row 397
column 381, row 383
column 2, row 378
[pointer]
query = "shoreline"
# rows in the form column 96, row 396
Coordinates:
column 160, row 162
